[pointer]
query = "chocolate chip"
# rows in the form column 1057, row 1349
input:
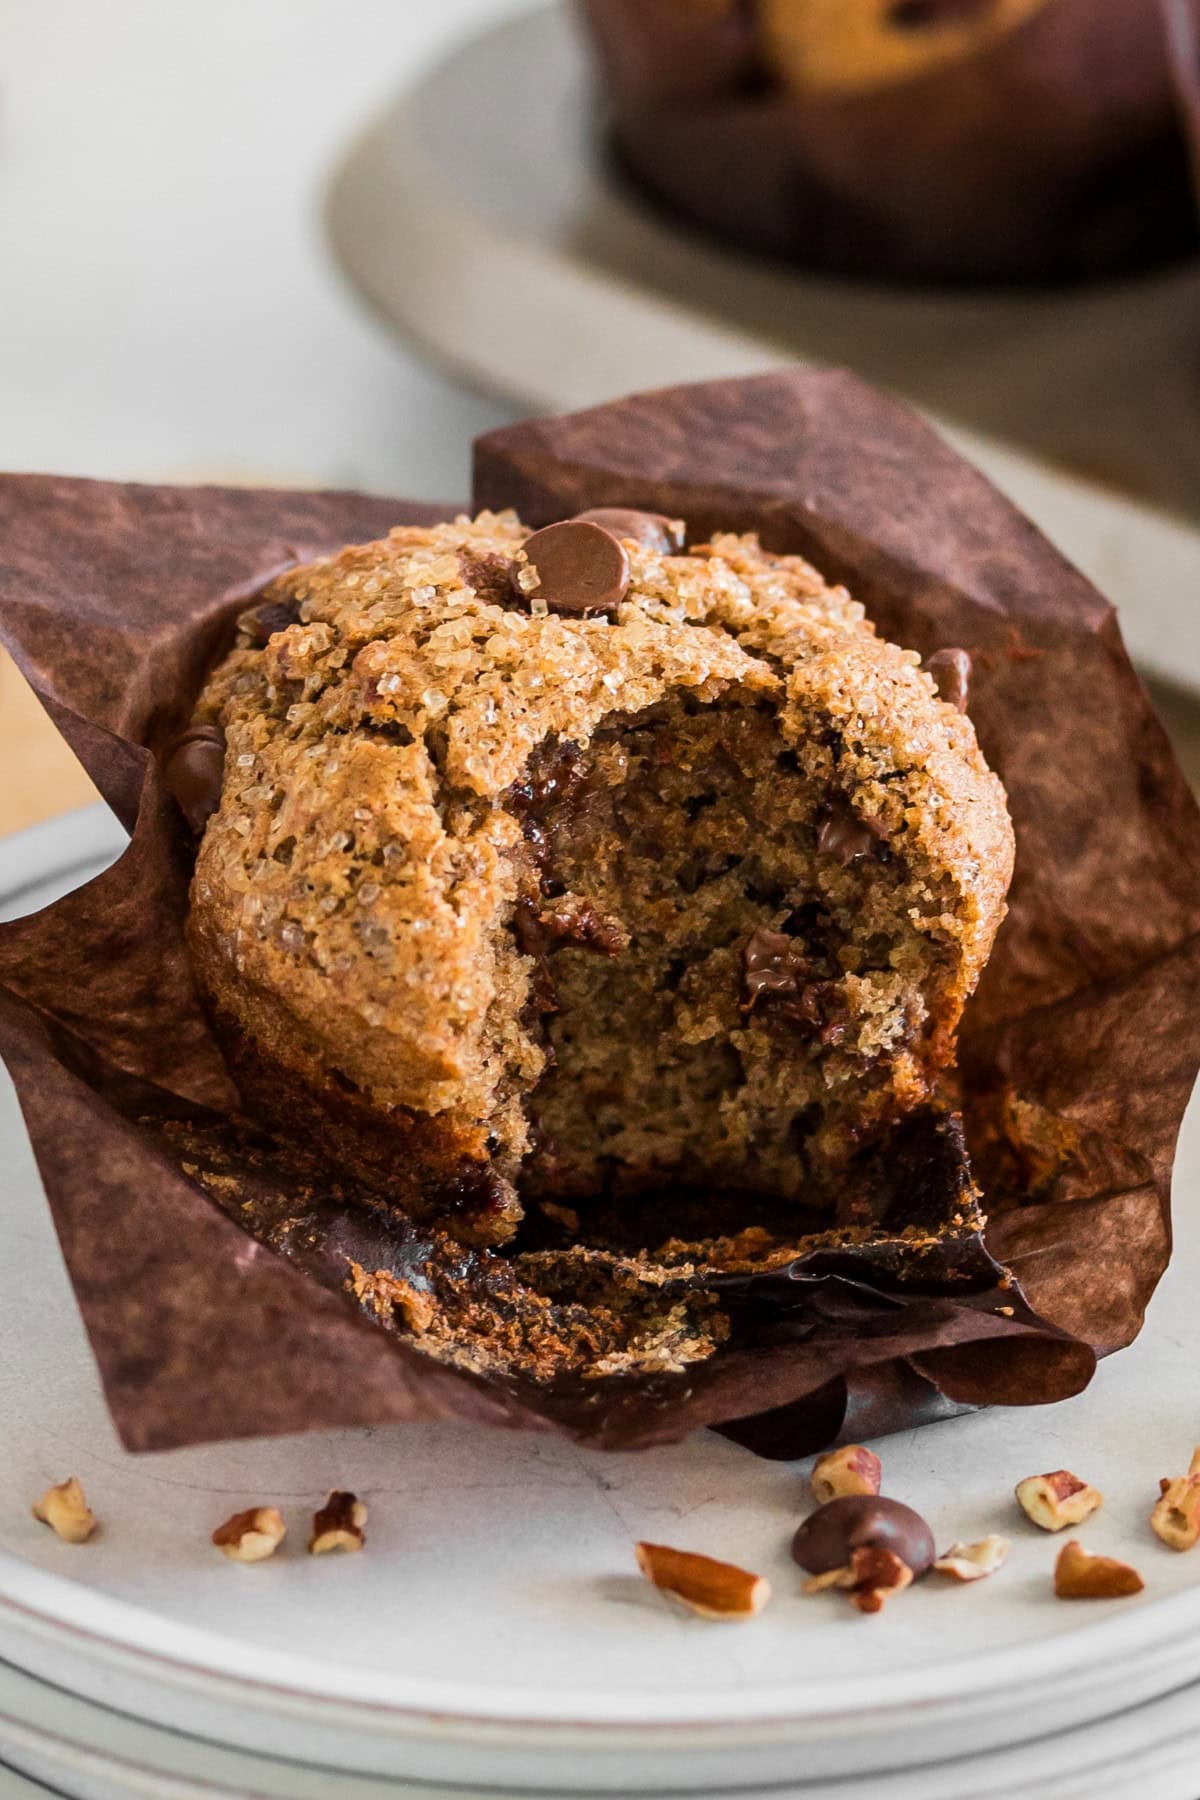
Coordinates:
column 584, row 926
column 772, row 963
column 261, row 625
column 193, row 771
column 842, row 834
column 828, row 1537
column 653, row 530
column 582, row 569
column 553, row 778
column 478, row 1191
column 488, row 573
column 527, row 929
column 783, row 971
column 951, row 671
column 539, row 929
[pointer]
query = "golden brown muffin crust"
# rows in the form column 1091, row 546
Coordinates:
column 358, row 895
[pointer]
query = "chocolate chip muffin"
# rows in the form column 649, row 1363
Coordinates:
column 550, row 868
column 955, row 141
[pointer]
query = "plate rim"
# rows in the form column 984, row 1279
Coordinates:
column 30, row 1732
column 1163, row 1622
column 58, row 846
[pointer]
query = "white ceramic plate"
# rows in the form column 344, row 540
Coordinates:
column 92, row 1753
column 494, row 1632
column 477, row 218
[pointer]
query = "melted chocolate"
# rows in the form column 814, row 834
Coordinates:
column 842, row 834
column 488, row 574
column 272, row 616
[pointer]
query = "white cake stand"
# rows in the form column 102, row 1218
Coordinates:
column 478, row 218
column 494, row 1636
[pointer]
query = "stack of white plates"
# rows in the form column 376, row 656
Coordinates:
column 495, row 1636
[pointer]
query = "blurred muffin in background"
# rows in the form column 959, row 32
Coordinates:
column 965, row 141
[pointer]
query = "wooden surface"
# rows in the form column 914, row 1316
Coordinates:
column 39, row 776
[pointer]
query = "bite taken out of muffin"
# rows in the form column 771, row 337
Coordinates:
column 541, row 869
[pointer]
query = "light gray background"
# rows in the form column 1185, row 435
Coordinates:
column 168, row 306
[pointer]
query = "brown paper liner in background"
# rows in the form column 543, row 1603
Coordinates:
column 1052, row 151
column 1080, row 1049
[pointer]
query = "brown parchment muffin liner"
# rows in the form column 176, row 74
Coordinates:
column 913, row 141
column 214, row 1267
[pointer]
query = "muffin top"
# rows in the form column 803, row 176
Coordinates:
column 381, row 707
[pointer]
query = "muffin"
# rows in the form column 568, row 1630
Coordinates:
column 549, row 868
column 978, row 141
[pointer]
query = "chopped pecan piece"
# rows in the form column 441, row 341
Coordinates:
column 715, row 1590
column 851, row 1470
column 251, row 1536
column 65, row 1509
column 871, row 1575
column 1176, row 1517
column 971, row 1562
column 1057, row 1500
column 1080, row 1576
column 338, row 1525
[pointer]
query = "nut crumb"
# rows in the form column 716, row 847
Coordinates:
column 868, row 1578
column 65, row 1509
column 1058, row 1499
column 251, row 1536
column 971, row 1562
column 1078, row 1575
column 1176, row 1516
column 388, row 1294
column 338, row 1525
column 851, row 1470
column 715, row 1590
